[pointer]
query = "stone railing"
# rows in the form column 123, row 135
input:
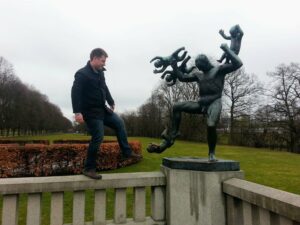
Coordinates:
column 253, row 204
column 179, row 196
column 11, row 188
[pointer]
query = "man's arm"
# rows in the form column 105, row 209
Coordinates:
column 76, row 93
column 109, row 98
column 235, row 64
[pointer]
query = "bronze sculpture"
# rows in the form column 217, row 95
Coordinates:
column 210, row 79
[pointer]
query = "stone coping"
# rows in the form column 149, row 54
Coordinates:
column 80, row 182
column 281, row 202
column 200, row 164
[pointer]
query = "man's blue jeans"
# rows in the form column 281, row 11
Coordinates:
column 96, row 129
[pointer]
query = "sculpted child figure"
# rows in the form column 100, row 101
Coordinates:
column 161, row 64
column 236, row 35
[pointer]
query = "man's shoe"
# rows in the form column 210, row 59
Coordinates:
column 136, row 156
column 132, row 156
column 92, row 174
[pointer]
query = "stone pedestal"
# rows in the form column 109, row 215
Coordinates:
column 194, row 190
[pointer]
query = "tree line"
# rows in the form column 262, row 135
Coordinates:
column 254, row 114
column 23, row 109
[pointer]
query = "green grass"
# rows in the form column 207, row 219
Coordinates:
column 280, row 170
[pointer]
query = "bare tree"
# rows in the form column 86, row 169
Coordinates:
column 286, row 101
column 241, row 91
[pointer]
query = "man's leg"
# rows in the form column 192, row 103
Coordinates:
column 115, row 122
column 95, row 127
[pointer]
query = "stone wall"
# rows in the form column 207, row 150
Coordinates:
column 58, row 159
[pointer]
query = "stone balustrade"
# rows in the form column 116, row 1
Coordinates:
column 11, row 188
column 253, row 204
column 178, row 196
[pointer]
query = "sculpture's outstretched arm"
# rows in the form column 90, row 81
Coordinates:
column 235, row 64
column 177, row 51
column 171, row 83
column 183, row 77
column 170, row 77
column 183, row 67
column 165, row 73
column 224, row 35
column 161, row 69
column 155, row 58
column 176, row 56
column 180, row 58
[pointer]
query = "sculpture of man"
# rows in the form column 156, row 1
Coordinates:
column 211, row 83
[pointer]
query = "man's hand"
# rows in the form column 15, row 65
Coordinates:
column 79, row 118
column 112, row 107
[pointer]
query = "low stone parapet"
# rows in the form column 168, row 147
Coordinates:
column 122, row 183
column 251, row 203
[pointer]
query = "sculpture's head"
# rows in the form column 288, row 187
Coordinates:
column 158, row 63
column 234, row 31
column 202, row 63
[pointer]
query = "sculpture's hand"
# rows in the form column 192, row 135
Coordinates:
column 170, row 77
column 221, row 32
column 165, row 73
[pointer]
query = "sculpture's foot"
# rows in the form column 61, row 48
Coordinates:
column 155, row 148
column 212, row 157
column 219, row 60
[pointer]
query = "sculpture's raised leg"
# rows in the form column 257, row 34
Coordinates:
column 167, row 142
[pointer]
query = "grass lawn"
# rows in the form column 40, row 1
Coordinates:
column 280, row 170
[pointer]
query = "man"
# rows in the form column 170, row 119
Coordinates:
column 89, row 96
column 211, row 83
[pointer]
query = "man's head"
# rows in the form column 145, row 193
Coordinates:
column 98, row 58
column 202, row 63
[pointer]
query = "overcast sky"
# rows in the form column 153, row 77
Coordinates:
column 47, row 41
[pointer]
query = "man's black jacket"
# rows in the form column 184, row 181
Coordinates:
column 89, row 93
